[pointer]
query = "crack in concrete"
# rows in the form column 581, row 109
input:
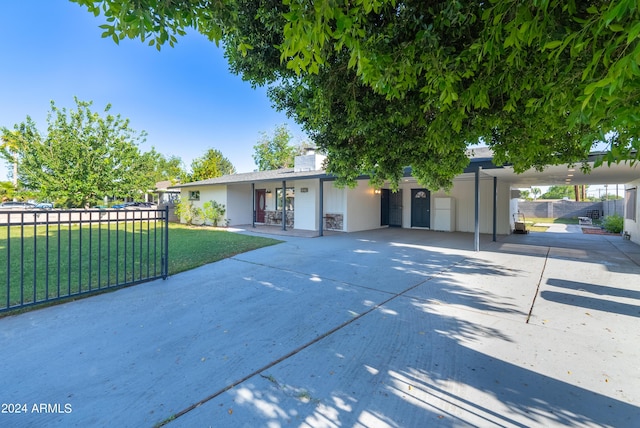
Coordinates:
column 544, row 267
column 297, row 350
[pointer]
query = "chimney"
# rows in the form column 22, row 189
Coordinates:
column 311, row 161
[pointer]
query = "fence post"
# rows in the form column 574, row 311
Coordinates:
column 165, row 259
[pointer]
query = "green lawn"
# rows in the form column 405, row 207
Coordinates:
column 534, row 220
column 59, row 261
column 190, row 247
column 531, row 221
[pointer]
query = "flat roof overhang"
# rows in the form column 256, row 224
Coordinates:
column 568, row 175
column 620, row 173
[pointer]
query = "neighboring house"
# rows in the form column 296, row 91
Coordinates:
column 167, row 196
column 166, row 192
column 311, row 201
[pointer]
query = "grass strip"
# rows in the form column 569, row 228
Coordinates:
column 55, row 261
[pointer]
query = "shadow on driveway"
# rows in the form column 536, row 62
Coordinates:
column 381, row 328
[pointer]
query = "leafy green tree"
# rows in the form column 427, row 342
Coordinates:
column 559, row 192
column 170, row 168
column 9, row 150
column 210, row 165
column 382, row 84
column 275, row 152
column 526, row 195
column 535, row 191
column 7, row 191
column 83, row 157
column 610, row 197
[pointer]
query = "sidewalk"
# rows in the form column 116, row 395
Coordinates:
column 399, row 328
column 561, row 228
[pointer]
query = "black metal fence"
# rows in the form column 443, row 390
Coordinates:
column 49, row 255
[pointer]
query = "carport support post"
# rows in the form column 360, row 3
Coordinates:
column 495, row 207
column 476, row 243
column 253, row 205
column 284, row 205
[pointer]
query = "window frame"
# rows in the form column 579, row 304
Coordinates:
column 290, row 199
column 631, row 200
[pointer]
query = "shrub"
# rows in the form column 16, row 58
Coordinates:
column 213, row 212
column 187, row 212
column 613, row 223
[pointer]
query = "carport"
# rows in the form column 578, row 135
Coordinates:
column 616, row 173
column 481, row 169
column 568, row 174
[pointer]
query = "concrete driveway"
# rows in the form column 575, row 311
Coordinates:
column 397, row 328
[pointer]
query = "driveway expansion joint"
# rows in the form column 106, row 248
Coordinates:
column 544, row 267
column 260, row 371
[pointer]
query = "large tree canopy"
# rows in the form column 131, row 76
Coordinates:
column 169, row 168
column 273, row 152
column 559, row 192
column 382, row 84
column 210, row 165
column 82, row 158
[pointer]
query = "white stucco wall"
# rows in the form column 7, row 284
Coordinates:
column 306, row 205
column 363, row 208
column 335, row 200
column 239, row 204
column 207, row 193
column 633, row 226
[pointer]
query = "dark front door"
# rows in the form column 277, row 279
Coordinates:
column 261, row 195
column 384, row 207
column 420, row 208
column 395, row 209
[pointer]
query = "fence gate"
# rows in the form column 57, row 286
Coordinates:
column 48, row 255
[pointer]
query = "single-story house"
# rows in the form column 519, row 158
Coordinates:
column 483, row 198
column 166, row 192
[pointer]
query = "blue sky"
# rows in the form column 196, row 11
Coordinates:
column 183, row 97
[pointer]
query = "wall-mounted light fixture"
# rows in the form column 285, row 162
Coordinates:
column 269, row 191
column 377, row 191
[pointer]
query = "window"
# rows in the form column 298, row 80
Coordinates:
column 631, row 196
column 290, row 197
column 421, row 195
column 194, row 195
